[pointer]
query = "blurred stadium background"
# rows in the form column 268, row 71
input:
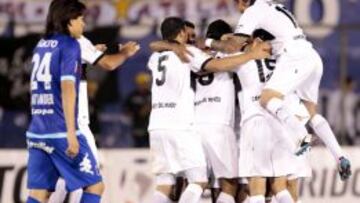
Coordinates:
column 120, row 100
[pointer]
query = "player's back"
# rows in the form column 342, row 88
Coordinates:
column 253, row 76
column 172, row 95
column 277, row 21
column 55, row 59
column 215, row 98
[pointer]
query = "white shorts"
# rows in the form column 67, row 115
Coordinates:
column 265, row 151
column 175, row 151
column 300, row 71
column 85, row 130
column 302, row 167
column 221, row 149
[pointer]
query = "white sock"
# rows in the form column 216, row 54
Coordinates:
column 159, row 197
column 257, row 199
column 192, row 194
column 284, row 197
column 247, row 200
column 299, row 201
column 225, row 198
column 75, row 196
column 60, row 192
column 274, row 200
column 277, row 108
column 323, row 130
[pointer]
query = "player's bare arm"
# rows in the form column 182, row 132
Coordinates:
column 179, row 49
column 259, row 50
column 113, row 61
column 68, row 95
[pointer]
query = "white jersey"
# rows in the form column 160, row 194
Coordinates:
column 215, row 99
column 172, row 94
column 253, row 75
column 89, row 55
column 276, row 20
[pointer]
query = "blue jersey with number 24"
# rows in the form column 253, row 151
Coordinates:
column 55, row 59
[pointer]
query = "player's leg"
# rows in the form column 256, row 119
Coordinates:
column 293, row 188
column 42, row 174
column 242, row 194
column 228, row 190
column 197, row 178
column 164, row 185
column 287, row 78
column 279, row 188
column 257, row 187
column 323, row 130
column 60, row 192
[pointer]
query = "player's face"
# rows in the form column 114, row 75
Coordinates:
column 76, row 27
column 191, row 35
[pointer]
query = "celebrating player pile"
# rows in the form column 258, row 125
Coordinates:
column 192, row 119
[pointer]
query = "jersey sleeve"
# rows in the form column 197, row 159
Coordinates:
column 199, row 59
column 249, row 21
column 89, row 53
column 70, row 55
column 153, row 62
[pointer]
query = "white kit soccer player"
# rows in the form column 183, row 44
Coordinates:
column 299, row 69
column 214, row 121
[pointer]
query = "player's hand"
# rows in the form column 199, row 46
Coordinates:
column 130, row 48
column 260, row 49
column 101, row 47
column 182, row 52
column 73, row 146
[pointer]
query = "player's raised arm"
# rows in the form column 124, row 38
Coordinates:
column 258, row 50
column 113, row 61
column 95, row 54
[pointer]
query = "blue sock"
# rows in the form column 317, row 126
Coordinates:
column 31, row 200
column 90, row 198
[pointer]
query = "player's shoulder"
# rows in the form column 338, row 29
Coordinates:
column 66, row 41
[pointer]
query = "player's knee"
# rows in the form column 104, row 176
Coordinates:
column 97, row 188
column 229, row 186
column 40, row 195
column 278, row 185
column 267, row 95
column 317, row 120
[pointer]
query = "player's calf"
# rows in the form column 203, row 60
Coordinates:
column 92, row 194
column 38, row 196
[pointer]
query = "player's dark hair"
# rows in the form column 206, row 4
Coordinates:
column 171, row 27
column 189, row 24
column 217, row 29
column 246, row 1
column 59, row 15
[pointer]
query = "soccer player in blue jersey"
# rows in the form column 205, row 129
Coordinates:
column 56, row 146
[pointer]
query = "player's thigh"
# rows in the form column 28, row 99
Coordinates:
column 79, row 172
column 42, row 173
column 308, row 90
column 289, row 73
column 223, row 160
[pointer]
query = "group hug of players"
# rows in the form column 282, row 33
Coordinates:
column 194, row 133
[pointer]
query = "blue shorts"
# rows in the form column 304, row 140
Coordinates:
column 48, row 161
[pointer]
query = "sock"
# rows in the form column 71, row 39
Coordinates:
column 31, row 200
column 192, row 194
column 274, row 200
column 257, row 199
column 90, row 198
column 76, row 195
column 278, row 109
column 159, row 197
column 60, row 192
column 284, row 197
column 299, row 201
column 323, row 130
column 225, row 198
